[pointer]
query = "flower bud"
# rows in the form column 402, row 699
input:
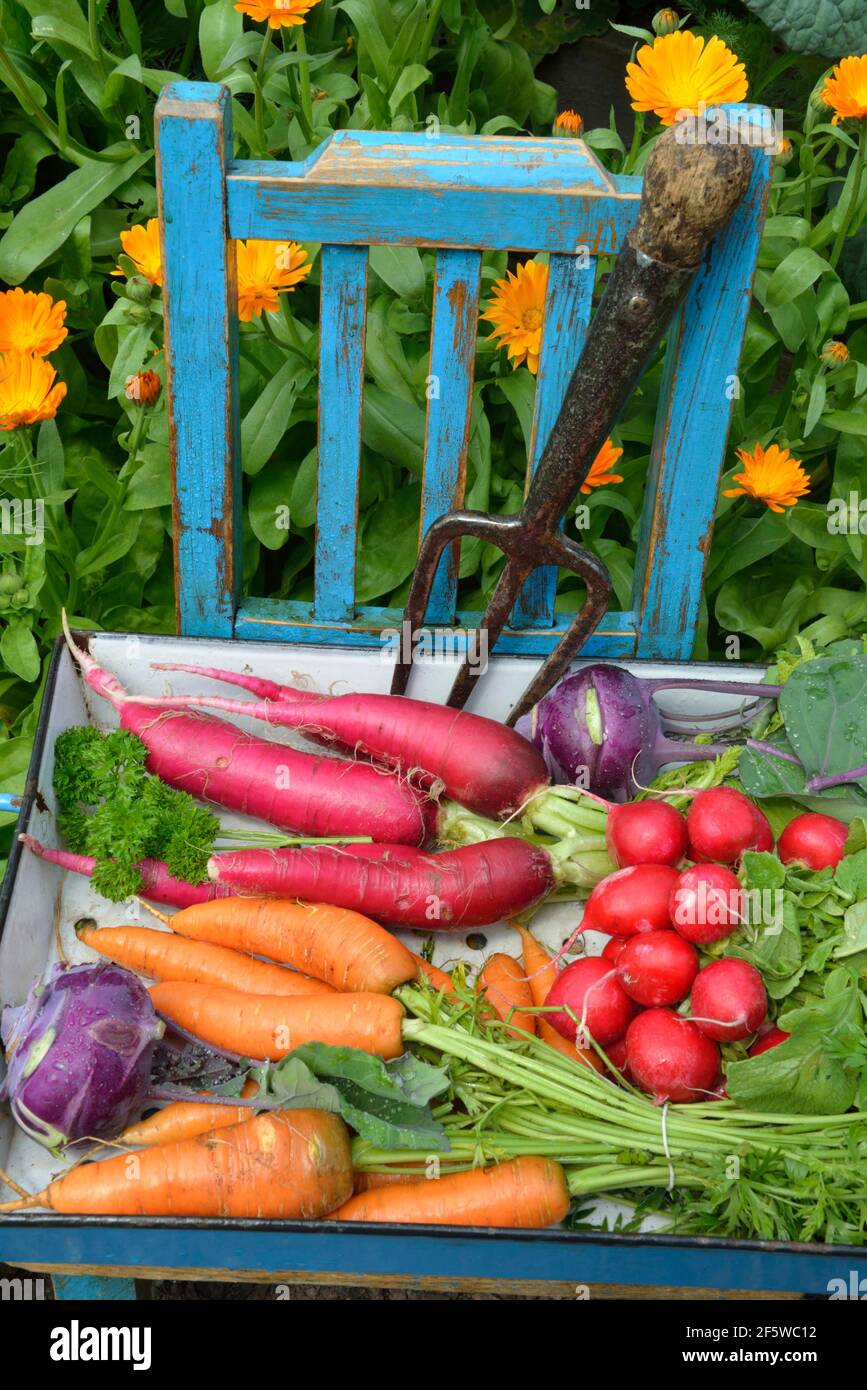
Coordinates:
column 665, row 22
column 20, row 598
column 568, row 123
column 144, row 388
column 138, row 289
column 834, row 353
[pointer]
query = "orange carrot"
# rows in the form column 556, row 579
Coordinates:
column 432, row 973
column 367, row 1182
column 280, row 1165
column 267, row 1026
column 502, row 979
column 525, row 1192
column 541, row 972
column 344, row 948
column 184, row 1119
column 164, row 956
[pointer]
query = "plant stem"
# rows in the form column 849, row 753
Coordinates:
column 430, row 30
column 304, row 81
column 259, row 95
column 852, row 206
column 635, row 147
column 93, row 35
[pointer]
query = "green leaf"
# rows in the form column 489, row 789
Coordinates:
column 520, row 391
column 803, row 1075
column 393, row 428
column 268, row 418
column 106, row 549
column 822, row 704
column 796, row 273
column 383, row 1105
column 220, row 26
column 412, row 77
column 18, row 650
column 151, row 484
column 270, row 507
column 401, row 268
column 388, row 544
column 132, row 345
column 854, row 938
column 846, row 421
column 48, row 27
column 42, row 227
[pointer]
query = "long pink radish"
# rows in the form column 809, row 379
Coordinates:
column 482, row 764
column 157, row 882
column 468, row 887
column 215, row 760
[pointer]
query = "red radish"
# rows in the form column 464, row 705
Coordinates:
column 722, row 823
column 669, row 1058
column 319, row 796
column 591, row 991
column 765, row 837
column 630, row 901
column 657, row 967
column 468, row 887
column 728, row 1000
column 617, row 1057
column 645, row 832
column 815, row 840
column 157, row 882
column 706, row 903
column 482, row 764
column 772, row 1038
column 613, row 948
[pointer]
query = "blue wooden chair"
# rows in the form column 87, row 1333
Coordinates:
column 459, row 196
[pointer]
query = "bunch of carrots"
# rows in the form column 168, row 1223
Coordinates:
column 327, row 976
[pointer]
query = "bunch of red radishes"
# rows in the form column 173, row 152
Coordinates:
column 656, row 913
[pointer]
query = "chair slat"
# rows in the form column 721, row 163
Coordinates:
column 341, row 374
column 450, row 394
column 567, row 317
column 692, row 425
column 194, row 137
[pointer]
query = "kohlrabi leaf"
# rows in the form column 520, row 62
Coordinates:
column 822, row 704
column 831, row 27
column 385, row 1104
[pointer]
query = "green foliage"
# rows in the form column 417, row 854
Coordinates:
column 833, row 27
column 78, row 82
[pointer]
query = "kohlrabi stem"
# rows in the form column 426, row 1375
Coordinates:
column 835, row 779
column 770, row 751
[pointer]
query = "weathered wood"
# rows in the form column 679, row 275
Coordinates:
column 490, row 193
column 698, row 391
column 341, row 374
column 450, row 394
column 194, row 140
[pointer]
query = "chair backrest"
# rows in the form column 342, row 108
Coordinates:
column 459, row 196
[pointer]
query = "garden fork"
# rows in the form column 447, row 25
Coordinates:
column 691, row 187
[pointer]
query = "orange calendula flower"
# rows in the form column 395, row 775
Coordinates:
column 834, row 352
column 771, row 476
column 599, row 473
column 27, row 390
column 277, row 13
column 845, row 91
column 678, row 73
column 517, row 310
column 31, row 322
column 143, row 387
column 265, row 270
column 568, row 123
column 142, row 245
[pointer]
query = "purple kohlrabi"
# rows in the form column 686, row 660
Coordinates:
column 602, row 729
column 79, row 1053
